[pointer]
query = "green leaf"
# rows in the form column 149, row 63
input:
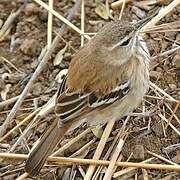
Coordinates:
column 101, row 10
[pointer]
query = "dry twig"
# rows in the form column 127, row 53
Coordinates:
column 160, row 157
column 95, row 162
column 50, row 24
column 118, row 3
column 100, row 148
column 175, row 109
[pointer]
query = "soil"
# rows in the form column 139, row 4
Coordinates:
column 30, row 31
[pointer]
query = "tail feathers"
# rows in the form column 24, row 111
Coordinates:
column 44, row 148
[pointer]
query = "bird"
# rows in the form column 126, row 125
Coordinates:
column 107, row 79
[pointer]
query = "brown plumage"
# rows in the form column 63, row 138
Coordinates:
column 107, row 79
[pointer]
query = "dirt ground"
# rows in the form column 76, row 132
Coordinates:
column 17, row 65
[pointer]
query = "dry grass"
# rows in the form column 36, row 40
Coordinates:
column 39, row 113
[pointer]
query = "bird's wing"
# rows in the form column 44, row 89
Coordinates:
column 72, row 105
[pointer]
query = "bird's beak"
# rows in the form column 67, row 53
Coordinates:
column 140, row 23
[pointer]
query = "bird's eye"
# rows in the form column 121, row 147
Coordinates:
column 125, row 43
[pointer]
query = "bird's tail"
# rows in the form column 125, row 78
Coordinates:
column 44, row 148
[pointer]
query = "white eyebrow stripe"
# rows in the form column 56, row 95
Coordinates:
column 120, row 42
column 116, row 45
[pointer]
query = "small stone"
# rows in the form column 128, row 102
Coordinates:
column 41, row 127
column 155, row 74
column 30, row 9
column 176, row 61
column 178, row 37
column 29, row 46
column 158, row 69
column 138, row 152
column 37, row 89
column 172, row 86
column 43, row 15
column 34, row 64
